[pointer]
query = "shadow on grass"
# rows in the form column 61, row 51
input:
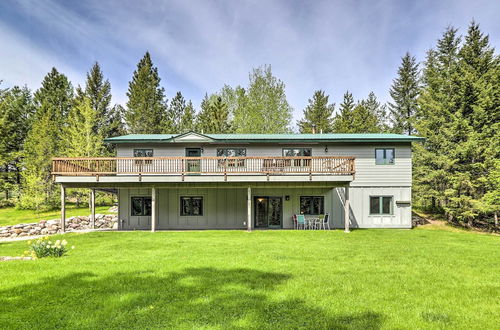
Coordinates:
column 193, row 298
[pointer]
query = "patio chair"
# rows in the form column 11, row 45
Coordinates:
column 294, row 219
column 301, row 221
column 325, row 222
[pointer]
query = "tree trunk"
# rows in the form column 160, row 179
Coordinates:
column 6, row 194
column 495, row 216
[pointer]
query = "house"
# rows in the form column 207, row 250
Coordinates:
column 247, row 181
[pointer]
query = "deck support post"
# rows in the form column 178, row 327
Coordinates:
column 63, row 209
column 153, row 209
column 249, row 209
column 92, row 208
column 346, row 209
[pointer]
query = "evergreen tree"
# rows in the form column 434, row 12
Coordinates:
column 53, row 101
column 116, row 125
column 459, row 116
column 357, row 118
column 379, row 111
column 80, row 138
column 214, row 115
column 404, row 92
column 16, row 111
column 262, row 107
column 146, row 106
column 98, row 92
column 319, row 113
column 187, row 122
column 343, row 121
column 174, row 114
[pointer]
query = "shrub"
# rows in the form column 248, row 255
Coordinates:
column 42, row 248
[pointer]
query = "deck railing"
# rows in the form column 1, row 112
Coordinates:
column 203, row 165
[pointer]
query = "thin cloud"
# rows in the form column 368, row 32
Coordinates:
column 199, row 46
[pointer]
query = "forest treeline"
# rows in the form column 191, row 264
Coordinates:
column 451, row 98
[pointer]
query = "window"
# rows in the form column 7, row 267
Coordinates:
column 191, row 206
column 384, row 156
column 143, row 153
column 380, row 204
column 312, row 205
column 141, row 206
column 231, row 152
column 297, row 152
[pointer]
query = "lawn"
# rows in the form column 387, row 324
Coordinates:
column 13, row 216
column 368, row 279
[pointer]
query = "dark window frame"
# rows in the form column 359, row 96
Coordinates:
column 301, row 148
column 311, row 212
column 144, row 212
column 385, row 160
column 145, row 151
column 297, row 162
column 222, row 152
column 181, row 208
column 381, row 205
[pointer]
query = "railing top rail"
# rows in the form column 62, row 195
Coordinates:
column 202, row 157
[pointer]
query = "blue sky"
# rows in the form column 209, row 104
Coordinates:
column 198, row 46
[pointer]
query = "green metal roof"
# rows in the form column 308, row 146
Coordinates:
column 232, row 138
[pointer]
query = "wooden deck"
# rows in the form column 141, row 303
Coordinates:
column 203, row 166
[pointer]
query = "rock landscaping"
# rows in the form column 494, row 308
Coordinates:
column 50, row 227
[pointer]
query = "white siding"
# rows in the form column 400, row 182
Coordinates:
column 367, row 173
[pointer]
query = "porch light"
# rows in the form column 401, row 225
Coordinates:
column 326, row 148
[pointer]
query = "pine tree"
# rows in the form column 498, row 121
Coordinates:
column 343, row 121
column 379, row 111
column 80, row 138
column 175, row 112
column 459, row 116
column 146, row 106
column 188, row 119
column 262, row 107
column 53, row 102
column 214, row 115
column 98, row 92
column 404, row 92
column 319, row 113
column 16, row 112
column 116, row 125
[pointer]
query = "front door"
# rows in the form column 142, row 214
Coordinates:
column 268, row 212
column 193, row 165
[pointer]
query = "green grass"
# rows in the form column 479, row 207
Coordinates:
column 368, row 279
column 13, row 216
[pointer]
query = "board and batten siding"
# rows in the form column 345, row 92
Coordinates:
column 367, row 172
column 225, row 208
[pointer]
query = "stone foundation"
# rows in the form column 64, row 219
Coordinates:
column 50, row 227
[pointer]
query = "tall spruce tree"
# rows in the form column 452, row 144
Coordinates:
column 116, row 125
column 187, row 122
column 318, row 113
column 53, row 102
column 146, row 105
column 175, row 112
column 16, row 112
column 262, row 107
column 404, row 92
column 98, row 92
column 80, row 138
column 214, row 115
column 379, row 111
column 356, row 117
column 455, row 169
column 343, row 121
column 432, row 162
